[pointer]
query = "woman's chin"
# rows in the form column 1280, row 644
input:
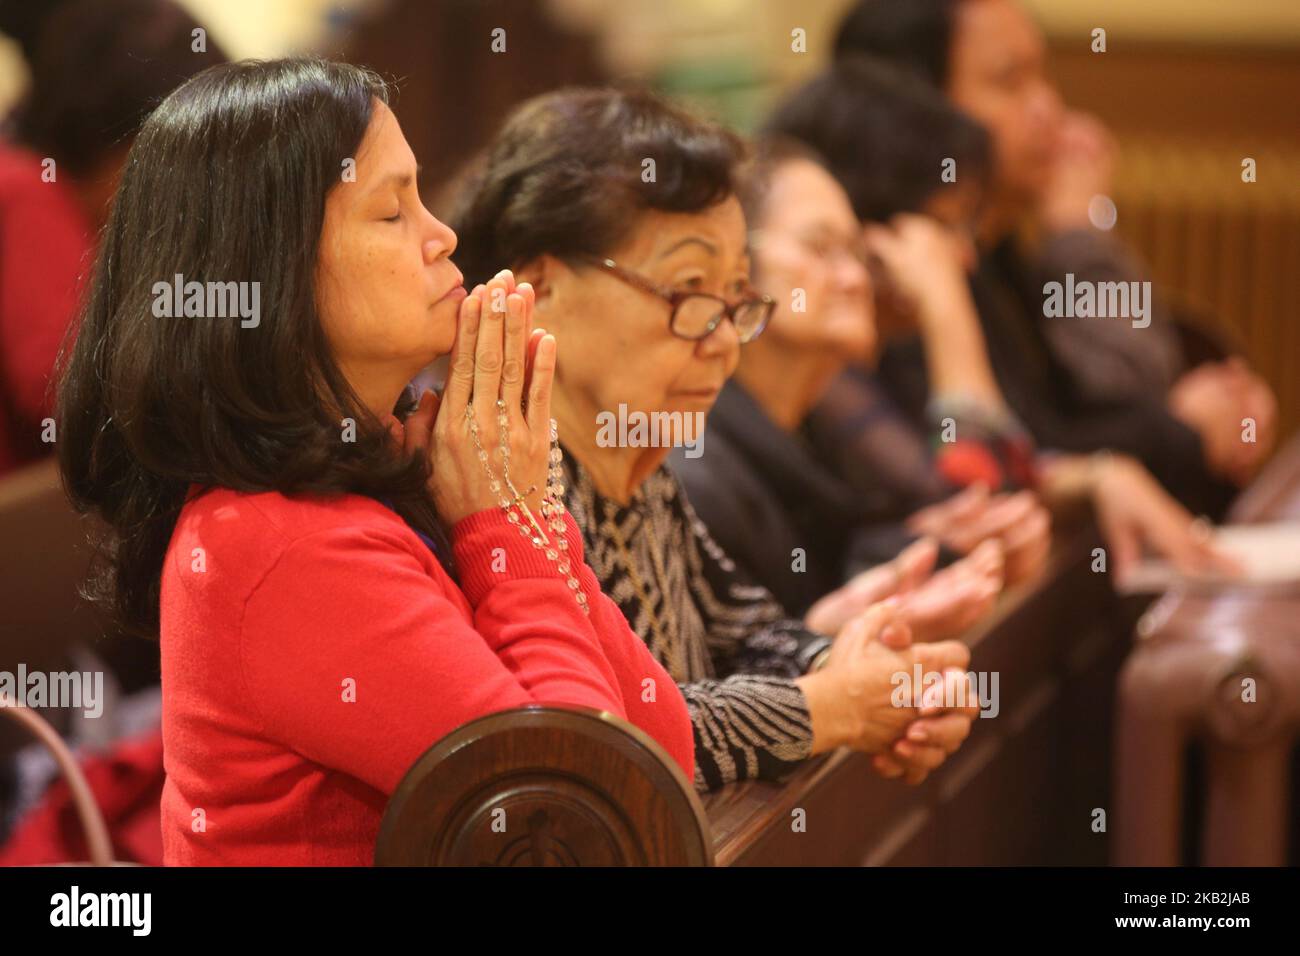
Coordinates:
column 447, row 309
column 444, row 317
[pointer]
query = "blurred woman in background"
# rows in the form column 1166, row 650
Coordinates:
column 621, row 210
column 97, row 68
column 918, row 229
column 1077, row 385
column 764, row 488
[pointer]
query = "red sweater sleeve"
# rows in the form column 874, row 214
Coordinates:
column 352, row 657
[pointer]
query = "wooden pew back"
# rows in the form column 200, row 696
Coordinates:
column 545, row 786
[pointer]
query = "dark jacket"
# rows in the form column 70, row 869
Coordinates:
column 763, row 493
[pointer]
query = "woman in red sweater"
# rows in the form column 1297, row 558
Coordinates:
column 335, row 586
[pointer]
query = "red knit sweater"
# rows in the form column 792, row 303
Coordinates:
column 313, row 649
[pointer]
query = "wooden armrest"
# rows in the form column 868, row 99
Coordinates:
column 545, row 786
column 44, row 557
column 43, row 563
column 1274, row 495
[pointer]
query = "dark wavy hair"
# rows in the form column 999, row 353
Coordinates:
column 564, row 176
column 227, row 181
column 884, row 134
column 914, row 35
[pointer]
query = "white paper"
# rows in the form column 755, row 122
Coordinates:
column 1268, row 554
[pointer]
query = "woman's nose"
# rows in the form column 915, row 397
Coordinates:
column 441, row 241
column 853, row 277
column 721, row 341
column 1048, row 108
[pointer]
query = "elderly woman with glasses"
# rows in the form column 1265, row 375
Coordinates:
column 620, row 211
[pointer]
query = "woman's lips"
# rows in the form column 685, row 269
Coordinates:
column 456, row 292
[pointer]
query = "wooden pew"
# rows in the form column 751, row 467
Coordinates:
column 1023, row 786
column 545, row 786
column 43, row 562
column 592, row 790
column 1181, row 695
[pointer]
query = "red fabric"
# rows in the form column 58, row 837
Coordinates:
column 127, row 782
column 1000, row 464
column 271, row 606
column 964, row 463
column 44, row 240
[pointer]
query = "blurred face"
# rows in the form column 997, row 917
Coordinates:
column 614, row 340
column 386, row 289
column 998, row 77
column 809, row 247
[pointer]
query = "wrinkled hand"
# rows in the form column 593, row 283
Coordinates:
column 1019, row 522
column 912, row 566
column 1134, row 512
column 857, row 699
column 920, row 269
column 933, row 605
column 951, row 600
column 1084, row 163
column 1215, row 399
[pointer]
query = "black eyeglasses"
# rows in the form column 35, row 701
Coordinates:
column 696, row 314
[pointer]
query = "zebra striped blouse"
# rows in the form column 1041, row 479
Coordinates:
column 726, row 641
